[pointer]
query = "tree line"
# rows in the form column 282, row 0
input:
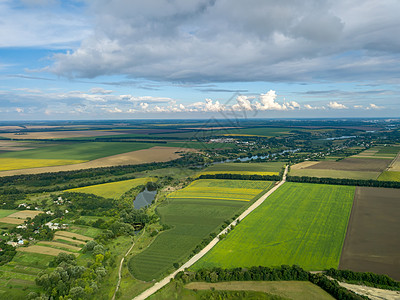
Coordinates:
column 365, row 278
column 345, row 181
column 260, row 273
column 241, row 177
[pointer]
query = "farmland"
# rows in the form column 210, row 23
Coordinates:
column 270, row 168
column 25, row 163
column 18, row 217
column 372, row 241
column 192, row 213
column 301, row 224
column 389, row 176
column 113, row 189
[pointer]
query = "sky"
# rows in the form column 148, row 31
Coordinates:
column 169, row 59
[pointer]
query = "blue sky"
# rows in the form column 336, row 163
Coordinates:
column 164, row 59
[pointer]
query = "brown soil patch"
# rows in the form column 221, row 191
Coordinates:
column 154, row 154
column 71, row 235
column 23, row 214
column 354, row 164
column 44, row 250
column 303, row 165
column 372, row 293
column 372, row 240
column 11, row 220
column 61, row 245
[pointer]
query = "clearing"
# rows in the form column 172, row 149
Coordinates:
column 372, row 241
column 300, row 223
column 192, row 216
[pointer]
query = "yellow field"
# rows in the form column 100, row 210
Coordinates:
column 24, row 163
column 219, row 189
column 237, row 172
column 20, row 216
column 113, row 189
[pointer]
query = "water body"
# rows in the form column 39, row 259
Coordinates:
column 144, row 198
column 254, row 157
column 341, row 137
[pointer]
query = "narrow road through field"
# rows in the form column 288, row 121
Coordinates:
column 147, row 293
column 120, row 267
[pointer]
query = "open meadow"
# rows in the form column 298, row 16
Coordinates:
column 113, row 190
column 192, row 214
column 302, row 224
column 372, row 241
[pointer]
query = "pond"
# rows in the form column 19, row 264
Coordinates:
column 144, row 198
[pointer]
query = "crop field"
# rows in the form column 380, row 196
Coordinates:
column 354, row 164
column 19, row 216
column 272, row 168
column 113, row 190
column 334, row 173
column 26, row 163
column 89, row 232
column 78, row 151
column 385, row 152
column 192, row 219
column 299, row 290
column 20, row 273
column 302, row 224
column 6, row 212
column 61, row 134
column 210, row 189
column 154, row 154
column 389, row 176
column 372, row 241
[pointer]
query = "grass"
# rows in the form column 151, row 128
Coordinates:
column 300, row 223
column 389, row 176
column 113, row 189
column 299, row 290
column 27, row 163
column 85, row 230
column 191, row 220
column 78, row 150
column 334, row 173
column 17, row 278
column 176, row 290
column 6, row 212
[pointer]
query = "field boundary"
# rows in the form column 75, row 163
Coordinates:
column 160, row 284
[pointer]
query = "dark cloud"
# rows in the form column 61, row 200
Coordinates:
column 257, row 40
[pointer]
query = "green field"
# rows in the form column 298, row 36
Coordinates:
column 78, row 151
column 17, row 278
column 270, row 168
column 334, row 173
column 300, row 223
column 191, row 220
column 6, row 212
column 113, row 189
column 389, row 176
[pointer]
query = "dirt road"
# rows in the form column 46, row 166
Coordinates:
column 147, row 293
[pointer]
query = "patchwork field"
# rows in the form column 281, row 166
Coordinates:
column 303, row 224
column 220, row 189
column 297, row 290
column 19, row 216
column 113, row 189
column 385, row 152
column 155, row 154
column 60, row 134
column 20, row 273
column 272, row 168
column 351, row 167
column 372, row 241
column 192, row 213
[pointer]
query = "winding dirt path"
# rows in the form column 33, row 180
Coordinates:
column 150, row 291
column 121, row 264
